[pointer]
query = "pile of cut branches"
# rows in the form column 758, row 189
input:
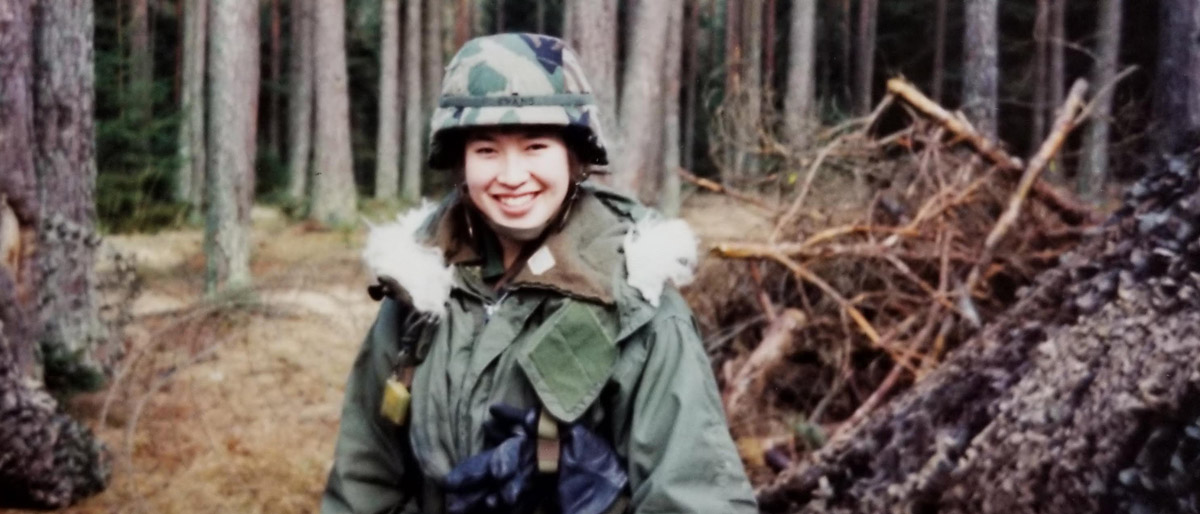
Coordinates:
column 852, row 312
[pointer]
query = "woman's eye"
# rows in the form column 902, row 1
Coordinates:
column 536, row 146
column 484, row 150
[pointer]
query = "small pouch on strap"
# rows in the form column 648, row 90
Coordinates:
column 548, row 446
column 397, row 394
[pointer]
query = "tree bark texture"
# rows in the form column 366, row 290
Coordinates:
column 670, row 198
column 981, row 64
column 752, row 88
column 1041, row 36
column 434, row 58
column 414, row 106
column 640, row 165
column 464, row 13
column 233, row 112
column 499, row 10
column 693, row 39
column 939, row 51
column 275, row 79
column 1093, row 171
column 801, row 83
column 300, row 100
column 189, row 181
column 387, row 152
column 769, row 28
column 864, row 70
column 1177, row 85
column 20, row 214
column 334, row 198
column 1083, row 398
column 75, row 344
column 141, row 61
column 1057, row 90
column 596, row 42
column 47, row 460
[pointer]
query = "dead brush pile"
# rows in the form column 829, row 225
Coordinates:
column 835, row 313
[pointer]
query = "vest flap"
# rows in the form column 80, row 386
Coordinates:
column 570, row 358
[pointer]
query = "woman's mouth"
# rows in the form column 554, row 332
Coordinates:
column 515, row 205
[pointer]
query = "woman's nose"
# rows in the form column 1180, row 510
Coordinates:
column 515, row 171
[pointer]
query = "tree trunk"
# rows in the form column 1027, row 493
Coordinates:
column 46, row 219
column 641, row 107
column 939, row 50
column 752, row 86
column 848, row 65
column 73, row 337
column 864, row 77
column 1083, row 398
column 300, row 100
column 433, row 55
column 387, row 151
column 693, row 39
column 464, row 12
column 1093, row 173
column 801, row 86
column 20, row 214
column 233, row 106
column 768, row 47
column 568, row 25
column 414, row 141
column 141, row 61
column 333, row 192
column 275, row 79
column 189, row 181
column 1177, row 84
column 1041, row 32
column 981, row 64
column 596, row 42
column 540, row 15
column 478, row 21
column 1058, row 58
column 500, row 21
column 670, row 197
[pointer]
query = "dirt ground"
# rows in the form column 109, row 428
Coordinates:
column 233, row 405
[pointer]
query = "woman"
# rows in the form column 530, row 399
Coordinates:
column 552, row 367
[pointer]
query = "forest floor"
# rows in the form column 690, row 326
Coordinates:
column 233, row 405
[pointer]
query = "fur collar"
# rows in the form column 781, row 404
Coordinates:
column 656, row 251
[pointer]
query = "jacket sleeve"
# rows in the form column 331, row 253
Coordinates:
column 681, row 456
column 368, row 474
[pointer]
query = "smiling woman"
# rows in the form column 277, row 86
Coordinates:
column 518, row 179
column 531, row 354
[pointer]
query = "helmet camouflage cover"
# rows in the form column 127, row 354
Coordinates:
column 515, row 79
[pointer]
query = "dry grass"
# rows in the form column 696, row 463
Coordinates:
column 231, row 405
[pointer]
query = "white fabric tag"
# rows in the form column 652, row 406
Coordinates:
column 541, row 261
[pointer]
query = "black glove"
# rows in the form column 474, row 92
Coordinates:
column 590, row 476
column 387, row 287
column 500, row 479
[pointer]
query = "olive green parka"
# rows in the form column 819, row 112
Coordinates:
column 570, row 334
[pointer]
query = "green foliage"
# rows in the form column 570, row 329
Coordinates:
column 136, row 158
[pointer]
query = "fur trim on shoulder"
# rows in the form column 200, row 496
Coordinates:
column 658, row 250
column 392, row 250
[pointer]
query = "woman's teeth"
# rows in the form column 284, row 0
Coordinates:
column 516, row 201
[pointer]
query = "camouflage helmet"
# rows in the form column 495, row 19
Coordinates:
column 515, row 79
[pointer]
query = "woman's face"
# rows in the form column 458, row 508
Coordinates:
column 517, row 178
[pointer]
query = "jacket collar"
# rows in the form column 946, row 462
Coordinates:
column 580, row 260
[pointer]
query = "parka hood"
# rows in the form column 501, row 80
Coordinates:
column 582, row 260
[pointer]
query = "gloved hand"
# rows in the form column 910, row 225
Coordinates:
column 387, row 287
column 590, row 476
column 497, row 480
